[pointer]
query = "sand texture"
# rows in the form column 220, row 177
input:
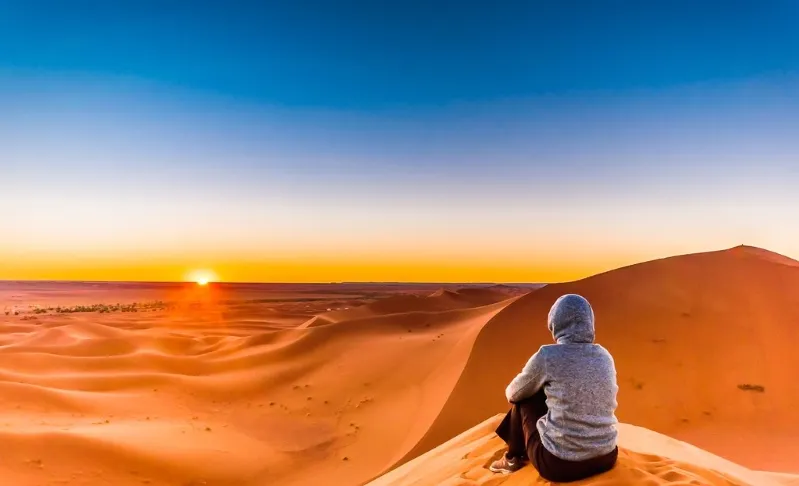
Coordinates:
column 645, row 458
column 340, row 384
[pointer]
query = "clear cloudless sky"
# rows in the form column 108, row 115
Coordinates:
column 392, row 141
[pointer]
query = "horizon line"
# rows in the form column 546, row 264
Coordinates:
column 357, row 282
column 395, row 282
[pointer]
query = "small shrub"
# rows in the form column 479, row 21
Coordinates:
column 107, row 309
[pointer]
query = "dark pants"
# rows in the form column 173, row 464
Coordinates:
column 519, row 431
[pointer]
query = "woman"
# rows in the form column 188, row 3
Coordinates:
column 562, row 417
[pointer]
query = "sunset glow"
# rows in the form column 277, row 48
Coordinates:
column 202, row 277
column 398, row 152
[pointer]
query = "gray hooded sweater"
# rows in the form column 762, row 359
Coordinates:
column 579, row 379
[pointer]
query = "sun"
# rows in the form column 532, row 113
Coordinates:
column 202, row 277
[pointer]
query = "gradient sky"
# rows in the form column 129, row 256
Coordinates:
column 390, row 141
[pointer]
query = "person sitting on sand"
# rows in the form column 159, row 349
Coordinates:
column 562, row 417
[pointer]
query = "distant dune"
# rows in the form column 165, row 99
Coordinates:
column 342, row 385
column 438, row 301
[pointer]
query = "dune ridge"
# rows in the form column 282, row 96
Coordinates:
column 687, row 333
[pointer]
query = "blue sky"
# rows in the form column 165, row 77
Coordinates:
column 370, row 55
column 522, row 136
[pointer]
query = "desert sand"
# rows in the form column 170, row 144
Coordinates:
column 342, row 384
column 645, row 457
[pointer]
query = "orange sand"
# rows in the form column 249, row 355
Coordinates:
column 645, row 458
column 301, row 385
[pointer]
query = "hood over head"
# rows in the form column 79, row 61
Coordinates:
column 571, row 320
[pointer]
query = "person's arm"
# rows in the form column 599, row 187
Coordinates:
column 529, row 381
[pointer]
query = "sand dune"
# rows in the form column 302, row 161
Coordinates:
column 287, row 386
column 645, row 457
column 220, row 394
column 440, row 300
column 694, row 338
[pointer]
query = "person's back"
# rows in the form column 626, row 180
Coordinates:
column 579, row 379
column 564, row 401
column 581, row 398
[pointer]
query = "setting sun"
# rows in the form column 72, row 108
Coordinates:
column 202, row 277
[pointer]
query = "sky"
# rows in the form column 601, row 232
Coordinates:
column 392, row 141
